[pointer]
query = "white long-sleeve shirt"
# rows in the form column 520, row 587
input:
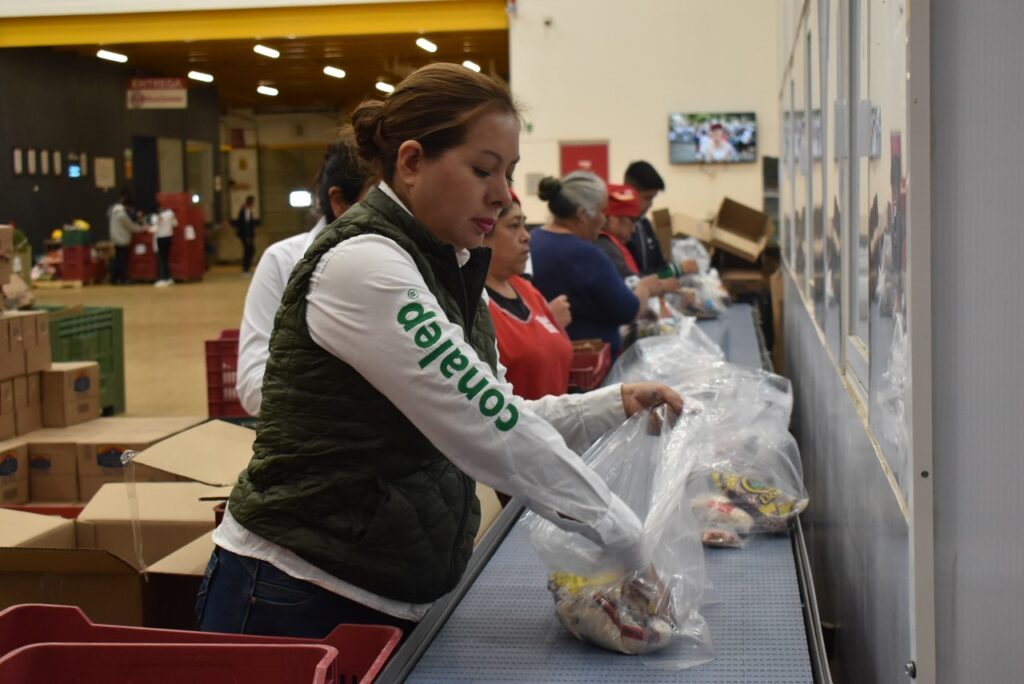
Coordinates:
column 165, row 223
column 261, row 304
column 121, row 226
column 369, row 305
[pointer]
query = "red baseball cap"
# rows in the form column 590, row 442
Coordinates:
column 623, row 200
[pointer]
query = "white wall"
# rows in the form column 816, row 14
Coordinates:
column 614, row 71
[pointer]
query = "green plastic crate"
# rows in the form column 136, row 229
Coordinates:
column 76, row 238
column 92, row 333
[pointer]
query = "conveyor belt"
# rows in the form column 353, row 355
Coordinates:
column 504, row 629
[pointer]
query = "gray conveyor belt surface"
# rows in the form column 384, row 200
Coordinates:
column 504, row 629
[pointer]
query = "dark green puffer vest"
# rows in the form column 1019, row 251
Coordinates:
column 339, row 475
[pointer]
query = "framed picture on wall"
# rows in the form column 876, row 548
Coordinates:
column 17, row 161
column 44, row 162
column 58, row 167
column 30, row 161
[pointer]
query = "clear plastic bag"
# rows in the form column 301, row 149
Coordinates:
column 651, row 611
column 748, row 477
column 690, row 249
column 666, row 358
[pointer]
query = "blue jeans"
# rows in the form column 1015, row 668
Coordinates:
column 241, row 595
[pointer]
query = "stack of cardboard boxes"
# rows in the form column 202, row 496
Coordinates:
column 97, row 560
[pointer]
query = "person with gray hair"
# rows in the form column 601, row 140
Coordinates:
column 567, row 262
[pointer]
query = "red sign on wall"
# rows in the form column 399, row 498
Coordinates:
column 591, row 157
column 157, row 93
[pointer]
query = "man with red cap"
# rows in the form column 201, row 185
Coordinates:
column 621, row 214
column 624, row 208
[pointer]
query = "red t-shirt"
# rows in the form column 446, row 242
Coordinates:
column 536, row 352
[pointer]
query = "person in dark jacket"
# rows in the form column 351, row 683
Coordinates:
column 245, row 226
column 644, row 244
column 384, row 399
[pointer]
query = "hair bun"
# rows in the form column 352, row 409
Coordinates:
column 366, row 119
column 549, row 188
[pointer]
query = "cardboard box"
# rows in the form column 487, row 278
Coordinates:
column 679, row 224
column 100, row 464
column 170, row 515
column 14, row 485
column 71, row 393
column 741, row 230
column 108, row 588
column 12, row 347
column 740, row 282
column 102, row 441
column 8, row 428
column 213, row 453
column 31, row 530
column 6, row 253
column 174, row 582
column 53, row 472
column 28, row 404
column 35, row 330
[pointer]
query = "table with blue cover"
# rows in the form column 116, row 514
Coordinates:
column 500, row 625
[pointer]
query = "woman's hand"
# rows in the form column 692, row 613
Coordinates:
column 638, row 396
column 560, row 309
column 670, row 285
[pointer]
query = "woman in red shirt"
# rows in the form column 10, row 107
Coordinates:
column 532, row 344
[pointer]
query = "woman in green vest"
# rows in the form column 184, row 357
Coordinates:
column 384, row 399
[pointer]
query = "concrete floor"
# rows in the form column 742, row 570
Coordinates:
column 164, row 329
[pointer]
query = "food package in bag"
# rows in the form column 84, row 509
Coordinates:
column 747, row 477
column 651, row 610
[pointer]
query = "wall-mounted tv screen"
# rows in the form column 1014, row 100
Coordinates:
column 712, row 138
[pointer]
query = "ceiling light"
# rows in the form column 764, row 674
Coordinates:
column 384, row 87
column 334, row 71
column 266, row 51
column 470, row 64
column 426, row 45
column 267, row 90
column 200, row 76
column 112, row 56
column 300, row 198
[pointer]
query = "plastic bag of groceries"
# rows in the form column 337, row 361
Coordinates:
column 690, row 250
column 705, row 295
column 748, row 478
column 666, row 358
column 651, row 611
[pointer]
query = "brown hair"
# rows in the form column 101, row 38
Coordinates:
column 434, row 106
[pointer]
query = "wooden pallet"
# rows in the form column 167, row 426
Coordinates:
column 57, row 284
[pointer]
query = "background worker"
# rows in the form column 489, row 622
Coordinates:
column 340, row 183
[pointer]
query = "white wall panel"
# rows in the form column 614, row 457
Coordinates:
column 977, row 328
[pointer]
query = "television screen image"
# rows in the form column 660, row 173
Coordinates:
column 712, row 138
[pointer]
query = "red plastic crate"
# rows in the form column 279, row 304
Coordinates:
column 76, row 263
column 64, row 510
column 142, row 264
column 171, row 663
column 591, row 360
column 362, row 650
column 188, row 250
column 221, row 373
